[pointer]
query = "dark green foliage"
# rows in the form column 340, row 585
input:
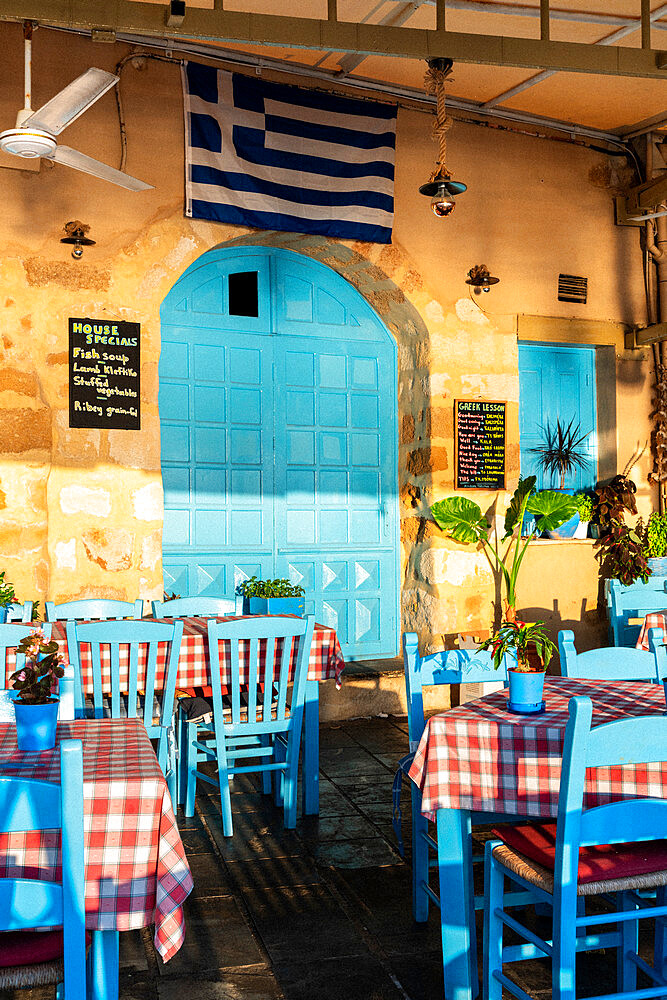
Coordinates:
column 269, row 588
column 655, row 537
column 43, row 666
column 524, row 638
column 6, row 591
column 620, row 548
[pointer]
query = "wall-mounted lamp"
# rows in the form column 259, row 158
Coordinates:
column 480, row 279
column 76, row 235
column 440, row 188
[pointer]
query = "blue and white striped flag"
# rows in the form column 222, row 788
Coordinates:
column 272, row 156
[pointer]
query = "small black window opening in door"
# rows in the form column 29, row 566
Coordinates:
column 243, row 299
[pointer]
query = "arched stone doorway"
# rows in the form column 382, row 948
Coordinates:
column 278, row 409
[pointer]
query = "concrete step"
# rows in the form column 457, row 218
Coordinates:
column 372, row 688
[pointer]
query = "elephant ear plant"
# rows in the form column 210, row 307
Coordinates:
column 462, row 520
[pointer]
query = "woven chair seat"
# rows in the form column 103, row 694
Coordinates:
column 543, row 878
column 24, row 976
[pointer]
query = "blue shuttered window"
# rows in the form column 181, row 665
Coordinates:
column 556, row 382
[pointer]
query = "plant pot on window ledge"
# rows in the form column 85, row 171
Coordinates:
column 567, row 529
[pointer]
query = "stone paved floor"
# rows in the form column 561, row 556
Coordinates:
column 320, row 913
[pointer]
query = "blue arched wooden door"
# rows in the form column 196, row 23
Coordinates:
column 278, row 413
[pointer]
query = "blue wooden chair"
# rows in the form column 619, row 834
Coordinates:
column 559, row 865
column 88, row 609
column 614, row 662
column 156, row 703
column 457, row 666
column 196, row 607
column 255, row 722
column 37, row 957
column 625, row 604
column 20, row 612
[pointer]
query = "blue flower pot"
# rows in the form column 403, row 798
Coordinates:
column 526, row 691
column 277, row 605
column 567, row 529
column 3, row 615
column 36, row 726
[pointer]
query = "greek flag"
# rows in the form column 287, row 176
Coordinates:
column 272, row 156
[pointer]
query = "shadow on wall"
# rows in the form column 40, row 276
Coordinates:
column 590, row 628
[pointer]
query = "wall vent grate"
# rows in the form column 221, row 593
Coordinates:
column 572, row 288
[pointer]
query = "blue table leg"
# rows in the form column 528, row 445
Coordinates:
column 103, row 963
column 311, row 750
column 457, row 905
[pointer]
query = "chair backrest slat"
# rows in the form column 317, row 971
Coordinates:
column 455, row 666
column 633, row 602
column 89, row 608
column 613, row 662
column 20, row 612
column 197, row 607
column 283, row 675
column 136, row 643
column 251, row 633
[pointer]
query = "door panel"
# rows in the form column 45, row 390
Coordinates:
column 217, row 460
column 279, row 443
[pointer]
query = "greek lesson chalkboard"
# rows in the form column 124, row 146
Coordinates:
column 104, row 374
column 479, row 444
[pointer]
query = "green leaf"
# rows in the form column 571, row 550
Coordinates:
column 461, row 519
column 551, row 509
column 525, row 487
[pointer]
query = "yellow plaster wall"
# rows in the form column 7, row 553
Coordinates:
column 81, row 510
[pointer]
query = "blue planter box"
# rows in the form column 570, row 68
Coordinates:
column 277, row 605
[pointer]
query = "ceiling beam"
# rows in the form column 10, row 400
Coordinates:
column 644, row 23
column 148, row 20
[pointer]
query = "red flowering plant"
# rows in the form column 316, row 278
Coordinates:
column 37, row 680
column 532, row 645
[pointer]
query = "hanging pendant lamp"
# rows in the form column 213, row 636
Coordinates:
column 440, row 188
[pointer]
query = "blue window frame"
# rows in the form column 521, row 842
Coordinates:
column 556, row 381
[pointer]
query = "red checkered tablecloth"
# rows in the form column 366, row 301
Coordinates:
column 654, row 619
column 326, row 658
column 135, row 867
column 482, row 757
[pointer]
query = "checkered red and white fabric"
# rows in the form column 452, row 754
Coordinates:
column 482, row 757
column 654, row 619
column 136, row 872
column 326, row 657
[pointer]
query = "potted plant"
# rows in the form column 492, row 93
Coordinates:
column 462, row 520
column 655, row 543
column 620, row 548
column 272, row 597
column 35, row 705
column 533, row 649
column 584, row 504
column 558, row 457
column 561, row 453
column 6, row 596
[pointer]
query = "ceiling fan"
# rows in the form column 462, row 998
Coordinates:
column 35, row 131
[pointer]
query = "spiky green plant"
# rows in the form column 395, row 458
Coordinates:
column 561, row 453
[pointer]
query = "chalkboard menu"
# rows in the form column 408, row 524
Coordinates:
column 479, row 444
column 104, row 374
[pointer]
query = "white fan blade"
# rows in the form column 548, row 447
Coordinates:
column 73, row 158
column 71, row 101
